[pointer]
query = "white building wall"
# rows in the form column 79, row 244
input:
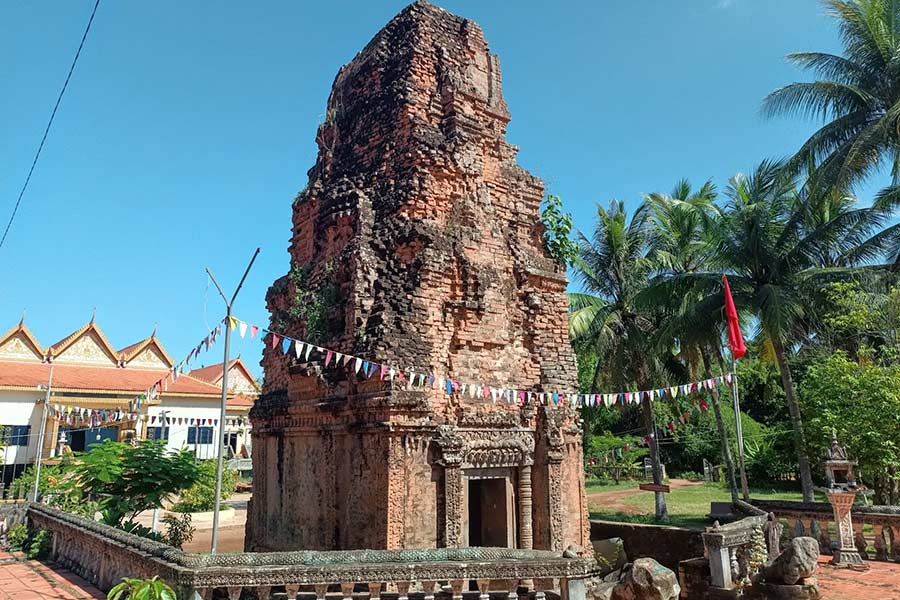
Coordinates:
column 187, row 409
column 20, row 408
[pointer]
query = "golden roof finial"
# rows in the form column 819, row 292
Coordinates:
column 22, row 321
column 155, row 325
column 93, row 314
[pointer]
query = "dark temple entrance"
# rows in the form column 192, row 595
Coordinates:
column 488, row 518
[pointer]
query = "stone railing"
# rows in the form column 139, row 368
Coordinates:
column 816, row 519
column 104, row 555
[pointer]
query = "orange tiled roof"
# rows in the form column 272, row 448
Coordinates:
column 129, row 352
column 214, row 372
column 25, row 375
column 240, row 401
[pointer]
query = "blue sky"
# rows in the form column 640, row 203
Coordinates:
column 188, row 128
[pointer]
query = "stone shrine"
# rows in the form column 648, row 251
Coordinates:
column 417, row 243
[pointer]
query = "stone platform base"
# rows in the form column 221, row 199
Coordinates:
column 805, row 589
column 848, row 559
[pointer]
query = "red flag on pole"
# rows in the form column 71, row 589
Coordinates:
column 735, row 339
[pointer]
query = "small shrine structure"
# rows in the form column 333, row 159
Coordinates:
column 841, row 491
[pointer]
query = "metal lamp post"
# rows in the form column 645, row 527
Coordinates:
column 220, row 450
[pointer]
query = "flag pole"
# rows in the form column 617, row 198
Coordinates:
column 739, row 429
column 736, row 345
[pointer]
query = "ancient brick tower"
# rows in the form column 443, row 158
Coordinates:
column 417, row 243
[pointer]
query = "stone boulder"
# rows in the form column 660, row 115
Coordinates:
column 797, row 561
column 646, row 579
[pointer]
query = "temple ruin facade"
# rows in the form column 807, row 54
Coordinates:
column 417, row 243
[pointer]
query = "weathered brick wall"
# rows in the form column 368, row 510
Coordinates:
column 418, row 213
column 416, row 243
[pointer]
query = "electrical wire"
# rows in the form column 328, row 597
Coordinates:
column 37, row 154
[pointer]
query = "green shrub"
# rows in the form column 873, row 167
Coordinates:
column 16, row 537
column 691, row 476
column 142, row 589
column 143, row 531
column 201, row 496
column 179, row 530
column 39, row 544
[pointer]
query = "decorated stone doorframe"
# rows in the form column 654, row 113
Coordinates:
column 468, row 454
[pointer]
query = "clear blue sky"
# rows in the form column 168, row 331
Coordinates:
column 188, row 128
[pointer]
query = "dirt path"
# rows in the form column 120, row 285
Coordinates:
column 613, row 500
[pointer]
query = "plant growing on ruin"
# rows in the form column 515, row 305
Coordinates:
column 38, row 545
column 312, row 304
column 16, row 537
column 557, row 227
column 142, row 589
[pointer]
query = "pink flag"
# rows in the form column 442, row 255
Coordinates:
column 275, row 339
column 253, row 330
column 328, row 357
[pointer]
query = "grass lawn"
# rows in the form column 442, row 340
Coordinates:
column 688, row 506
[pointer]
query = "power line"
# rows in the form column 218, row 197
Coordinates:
column 49, row 123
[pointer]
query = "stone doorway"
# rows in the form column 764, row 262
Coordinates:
column 490, row 511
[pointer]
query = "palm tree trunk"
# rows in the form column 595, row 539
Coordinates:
column 720, row 425
column 662, row 511
column 790, row 395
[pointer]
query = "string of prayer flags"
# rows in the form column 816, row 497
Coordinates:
column 420, row 378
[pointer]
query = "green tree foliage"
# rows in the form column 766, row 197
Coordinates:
column 59, row 488
column 201, row 496
column 557, row 228
column 127, row 480
column 616, row 456
column 862, row 404
column 141, row 589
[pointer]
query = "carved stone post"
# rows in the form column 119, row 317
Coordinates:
column 451, row 445
column 846, row 553
column 719, row 560
column 556, row 453
column 880, row 547
column 526, row 537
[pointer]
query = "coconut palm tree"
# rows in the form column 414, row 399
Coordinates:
column 682, row 223
column 777, row 250
column 613, row 266
column 857, row 95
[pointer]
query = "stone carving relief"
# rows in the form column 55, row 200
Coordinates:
column 485, row 447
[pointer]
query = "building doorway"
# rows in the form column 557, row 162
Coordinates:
column 82, row 440
column 488, row 506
